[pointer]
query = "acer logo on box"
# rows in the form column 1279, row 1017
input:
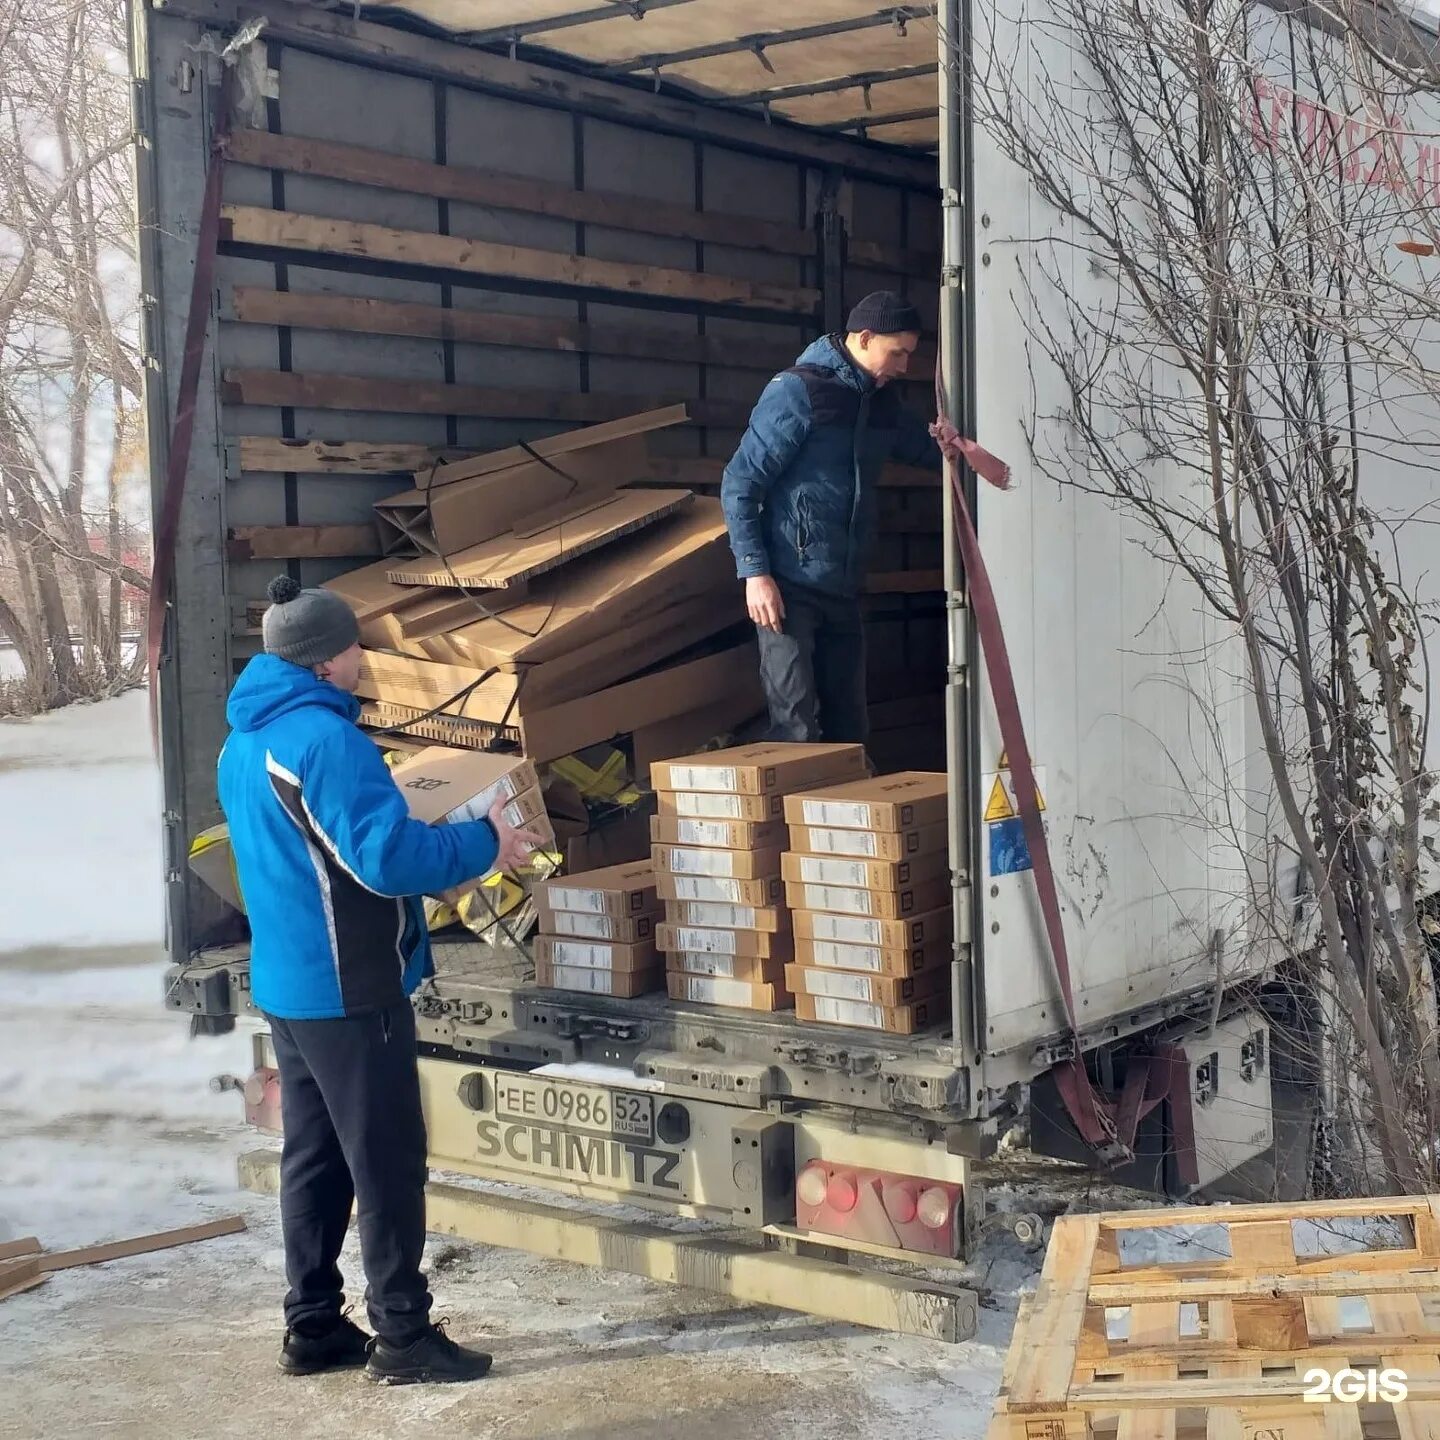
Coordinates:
column 1352, row 1386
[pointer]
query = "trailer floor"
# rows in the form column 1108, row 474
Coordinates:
column 108, row 1129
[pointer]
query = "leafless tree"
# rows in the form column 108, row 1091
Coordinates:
column 1238, row 346
column 70, row 429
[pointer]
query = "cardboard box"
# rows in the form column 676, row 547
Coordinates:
column 864, row 874
column 907, row 801
column 692, row 804
column 719, row 990
column 718, row 834
column 896, row 1020
column 870, row 844
column 704, row 941
column 773, row 919
column 936, row 927
column 886, row 990
column 596, row 954
column 621, row 890
column 752, row 969
column 212, row 859
column 389, row 614
column 874, row 959
column 623, row 983
column 687, row 733
column 765, row 768
column 569, row 924
column 442, row 784
column 875, row 904
column 718, row 864
column 711, row 890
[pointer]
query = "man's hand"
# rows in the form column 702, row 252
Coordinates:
column 762, row 600
column 515, row 845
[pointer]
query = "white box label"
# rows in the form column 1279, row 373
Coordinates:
column 832, row 872
column 838, row 986
column 700, row 862
column 703, row 777
column 709, row 964
column 708, row 942
column 846, row 814
column 590, row 927
column 846, row 902
column 846, row 957
column 591, row 902
column 846, row 842
column 724, row 917
column 591, row 957
column 598, row 982
column 697, row 887
column 847, row 931
column 718, row 992
column 849, row 1012
column 708, row 807
column 704, row 832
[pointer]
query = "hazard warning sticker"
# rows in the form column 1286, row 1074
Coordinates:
column 1005, row 832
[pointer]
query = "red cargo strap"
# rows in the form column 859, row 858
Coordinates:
column 1094, row 1116
column 177, row 464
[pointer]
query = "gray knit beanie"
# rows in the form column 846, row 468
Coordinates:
column 307, row 627
column 883, row 312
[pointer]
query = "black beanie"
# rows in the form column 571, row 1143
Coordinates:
column 884, row 313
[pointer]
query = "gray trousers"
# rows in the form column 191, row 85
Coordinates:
column 813, row 672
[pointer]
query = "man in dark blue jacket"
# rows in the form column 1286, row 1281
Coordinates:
column 332, row 867
column 799, row 499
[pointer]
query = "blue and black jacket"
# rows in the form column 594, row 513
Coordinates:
column 330, row 863
column 799, row 494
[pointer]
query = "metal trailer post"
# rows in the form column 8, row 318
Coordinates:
column 956, row 345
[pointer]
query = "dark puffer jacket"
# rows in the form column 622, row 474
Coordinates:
column 799, row 494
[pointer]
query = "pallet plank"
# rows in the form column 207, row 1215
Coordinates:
column 25, row 1245
column 1043, row 1376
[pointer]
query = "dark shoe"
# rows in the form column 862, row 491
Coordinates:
column 432, row 1359
column 343, row 1347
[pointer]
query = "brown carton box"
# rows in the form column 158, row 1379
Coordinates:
column 442, row 784
column 874, row 904
column 864, row 874
column 623, row 983
column 897, row 1019
column 717, row 864
column 718, row 990
column 772, row 919
column 571, row 925
column 620, row 890
column 935, row 927
column 907, row 801
column 696, row 805
column 718, row 834
column 874, row 959
column 887, row 990
column 870, row 844
column 705, row 941
column 713, row 890
column 560, row 950
column 752, row 969
column 765, row 768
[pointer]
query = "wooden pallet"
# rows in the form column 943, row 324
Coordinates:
column 1221, row 1346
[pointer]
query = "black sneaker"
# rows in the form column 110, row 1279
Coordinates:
column 432, row 1359
column 343, row 1347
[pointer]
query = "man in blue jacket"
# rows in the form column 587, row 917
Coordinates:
column 332, row 867
column 799, row 499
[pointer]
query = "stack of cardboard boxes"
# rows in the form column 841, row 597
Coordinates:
column 597, row 932
column 718, row 840
column 868, row 882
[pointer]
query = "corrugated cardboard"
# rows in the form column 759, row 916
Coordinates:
column 687, row 733
column 596, row 954
column 726, row 892
column 623, row 983
column 935, row 927
column 887, row 990
column 765, row 768
column 567, row 924
column 440, row 784
column 864, row 874
column 704, row 941
column 752, row 969
column 870, row 844
column 718, row 834
column 621, row 890
column 896, row 1020
column 474, row 499
column 874, row 959
column 716, row 990
column 772, row 919
column 455, row 690
column 906, row 801
column 512, row 557
column 719, row 864
column 878, row 904
column 695, row 805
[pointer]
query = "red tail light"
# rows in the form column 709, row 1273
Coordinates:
column 900, row 1212
column 842, row 1194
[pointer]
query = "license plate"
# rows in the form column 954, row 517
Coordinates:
column 585, row 1109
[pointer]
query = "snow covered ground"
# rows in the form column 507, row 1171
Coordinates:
column 108, row 1128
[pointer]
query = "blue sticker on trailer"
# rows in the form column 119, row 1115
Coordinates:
column 1009, row 854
